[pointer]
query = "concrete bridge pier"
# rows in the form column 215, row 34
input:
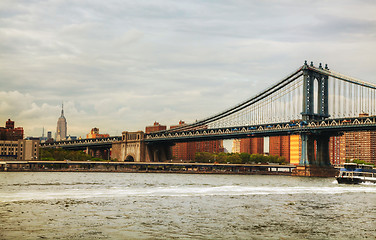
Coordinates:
column 131, row 148
column 103, row 153
column 89, row 152
column 308, row 150
column 314, row 161
column 159, row 152
column 322, row 157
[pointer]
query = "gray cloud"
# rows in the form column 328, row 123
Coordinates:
column 121, row 65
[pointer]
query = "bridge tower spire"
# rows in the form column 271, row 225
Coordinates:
column 309, row 77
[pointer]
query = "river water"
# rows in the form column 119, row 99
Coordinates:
column 46, row 205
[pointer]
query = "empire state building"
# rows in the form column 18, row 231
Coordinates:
column 61, row 130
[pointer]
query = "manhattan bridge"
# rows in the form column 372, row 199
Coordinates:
column 314, row 102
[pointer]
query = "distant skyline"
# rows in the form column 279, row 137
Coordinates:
column 121, row 65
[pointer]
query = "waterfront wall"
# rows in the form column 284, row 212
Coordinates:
column 315, row 171
column 88, row 166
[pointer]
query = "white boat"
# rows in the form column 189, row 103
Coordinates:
column 353, row 173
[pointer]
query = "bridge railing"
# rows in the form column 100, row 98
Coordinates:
column 285, row 128
column 87, row 141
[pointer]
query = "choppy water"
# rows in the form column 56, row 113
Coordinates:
column 167, row 206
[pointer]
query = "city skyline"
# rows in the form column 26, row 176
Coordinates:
column 122, row 66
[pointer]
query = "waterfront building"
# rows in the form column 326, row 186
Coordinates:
column 213, row 146
column 9, row 132
column 254, row 145
column 236, row 146
column 295, row 149
column 353, row 145
column 360, row 145
column 280, row 146
column 8, row 149
column 94, row 133
column 337, row 150
column 21, row 149
column 186, row 151
column 61, row 129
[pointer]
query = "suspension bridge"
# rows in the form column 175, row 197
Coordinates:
column 314, row 102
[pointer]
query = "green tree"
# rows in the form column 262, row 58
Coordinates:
column 234, row 158
column 58, row 154
column 245, row 157
column 358, row 161
column 221, row 157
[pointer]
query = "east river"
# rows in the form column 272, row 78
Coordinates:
column 46, row 205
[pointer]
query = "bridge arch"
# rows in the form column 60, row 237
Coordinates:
column 129, row 158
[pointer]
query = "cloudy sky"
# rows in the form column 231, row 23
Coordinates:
column 121, row 65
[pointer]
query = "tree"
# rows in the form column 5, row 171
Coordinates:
column 245, row 157
column 58, row 154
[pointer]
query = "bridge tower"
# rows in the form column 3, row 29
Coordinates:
column 315, row 146
column 131, row 148
column 309, row 78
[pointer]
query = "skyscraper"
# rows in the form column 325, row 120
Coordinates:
column 61, row 130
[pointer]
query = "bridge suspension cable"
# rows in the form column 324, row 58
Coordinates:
column 252, row 101
column 350, row 97
column 283, row 101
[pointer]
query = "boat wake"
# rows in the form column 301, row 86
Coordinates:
column 179, row 191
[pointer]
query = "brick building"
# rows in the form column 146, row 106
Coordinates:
column 156, row 127
column 337, row 150
column 360, row 145
column 254, row 145
column 19, row 150
column 353, row 145
column 10, row 132
column 14, row 147
column 186, row 150
column 280, row 146
column 94, row 133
